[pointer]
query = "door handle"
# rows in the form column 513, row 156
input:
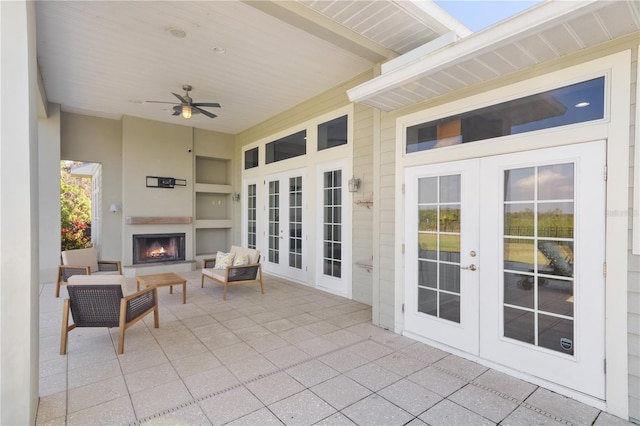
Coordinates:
column 471, row 267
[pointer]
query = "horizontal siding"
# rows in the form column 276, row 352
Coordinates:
column 362, row 223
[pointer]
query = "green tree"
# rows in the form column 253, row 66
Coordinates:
column 75, row 209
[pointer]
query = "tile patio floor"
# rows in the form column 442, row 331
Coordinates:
column 295, row 356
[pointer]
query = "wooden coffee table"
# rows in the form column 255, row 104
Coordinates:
column 162, row 280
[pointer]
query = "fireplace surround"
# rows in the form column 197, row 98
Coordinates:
column 158, row 248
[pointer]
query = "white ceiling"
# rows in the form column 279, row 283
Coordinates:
column 105, row 58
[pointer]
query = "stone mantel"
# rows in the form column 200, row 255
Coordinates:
column 158, row 220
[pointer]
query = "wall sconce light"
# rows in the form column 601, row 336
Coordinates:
column 114, row 208
column 235, row 196
column 354, row 184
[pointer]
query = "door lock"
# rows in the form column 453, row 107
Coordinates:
column 471, row 267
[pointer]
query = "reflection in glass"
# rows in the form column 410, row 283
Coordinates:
column 552, row 108
column 517, row 294
column 538, row 244
column 450, row 218
column 555, row 182
column 450, row 189
column 555, row 220
column 519, row 254
column 519, row 184
column 556, row 334
column 427, row 218
column 428, row 190
column 450, row 307
column 556, row 258
column 450, row 277
column 428, row 302
column 519, row 219
column 428, row 246
column 555, row 296
column 519, row 325
column 427, row 274
column 450, row 247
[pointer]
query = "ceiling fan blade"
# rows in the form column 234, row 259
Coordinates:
column 207, row 104
column 207, row 113
column 182, row 99
column 161, row 102
column 176, row 113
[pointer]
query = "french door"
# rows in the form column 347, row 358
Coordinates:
column 286, row 226
column 504, row 261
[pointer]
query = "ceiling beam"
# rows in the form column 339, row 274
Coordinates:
column 306, row 19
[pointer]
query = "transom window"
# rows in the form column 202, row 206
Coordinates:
column 572, row 104
column 287, row 147
column 332, row 133
column 251, row 158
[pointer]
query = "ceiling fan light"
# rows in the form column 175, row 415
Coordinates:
column 186, row 112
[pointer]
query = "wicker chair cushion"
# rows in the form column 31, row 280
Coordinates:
column 241, row 260
column 102, row 279
column 81, row 257
column 251, row 253
column 214, row 273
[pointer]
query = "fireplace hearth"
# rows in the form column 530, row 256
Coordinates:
column 157, row 248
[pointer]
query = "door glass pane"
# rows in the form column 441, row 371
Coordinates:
column 519, row 184
column 428, row 302
column 439, row 227
column 332, row 218
column 274, row 222
column 450, row 307
column 556, row 333
column 555, row 182
column 519, row 325
column 538, row 288
column 295, row 222
column 251, row 216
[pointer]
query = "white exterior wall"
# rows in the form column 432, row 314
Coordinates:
column 362, row 213
column 19, row 318
column 97, row 140
column 634, row 238
column 49, row 182
column 390, row 283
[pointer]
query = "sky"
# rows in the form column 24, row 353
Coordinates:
column 480, row 14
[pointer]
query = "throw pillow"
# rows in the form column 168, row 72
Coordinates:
column 224, row 260
column 241, row 260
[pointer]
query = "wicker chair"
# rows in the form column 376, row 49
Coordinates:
column 84, row 262
column 102, row 301
column 234, row 275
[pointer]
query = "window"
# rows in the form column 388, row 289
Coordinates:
column 251, row 158
column 295, row 222
column 287, row 147
column 572, row 104
column 332, row 245
column 251, row 216
column 332, row 133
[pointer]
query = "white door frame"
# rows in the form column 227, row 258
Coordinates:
column 615, row 129
column 283, row 269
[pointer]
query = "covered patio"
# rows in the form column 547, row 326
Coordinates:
column 293, row 356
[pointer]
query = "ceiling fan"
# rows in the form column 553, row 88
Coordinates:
column 187, row 107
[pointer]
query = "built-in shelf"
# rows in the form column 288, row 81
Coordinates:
column 215, row 188
column 220, row 223
column 213, row 205
column 157, row 220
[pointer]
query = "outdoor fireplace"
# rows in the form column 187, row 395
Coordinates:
column 153, row 248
